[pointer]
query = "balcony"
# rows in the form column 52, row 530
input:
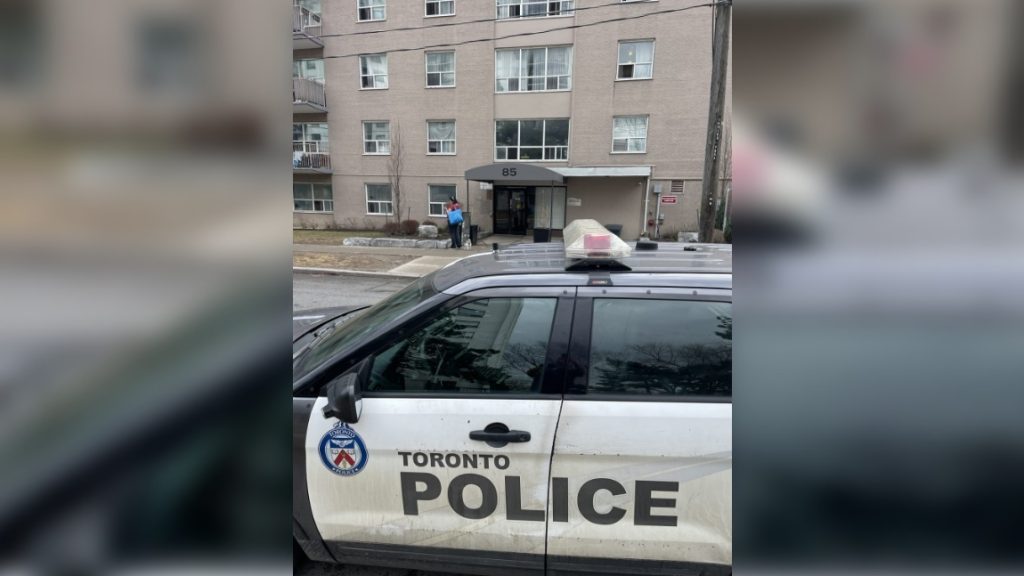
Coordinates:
column 308, row 96
column 306, row 29
column 311, row 158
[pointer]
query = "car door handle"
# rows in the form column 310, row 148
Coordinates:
column 509, row 436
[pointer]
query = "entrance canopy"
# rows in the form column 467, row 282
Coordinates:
column 513, row 172
column 604, row 171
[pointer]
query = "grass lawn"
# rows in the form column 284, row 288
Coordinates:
column 366, row 262
column 333, row 237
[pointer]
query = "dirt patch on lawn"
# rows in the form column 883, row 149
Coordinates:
column 361, row 261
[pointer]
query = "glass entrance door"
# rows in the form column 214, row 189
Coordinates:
column 511, row 213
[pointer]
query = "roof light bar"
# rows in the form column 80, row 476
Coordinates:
column 587, row 239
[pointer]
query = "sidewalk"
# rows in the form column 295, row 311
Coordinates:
column 369, row 261
column 414, row 252
column 393, row 262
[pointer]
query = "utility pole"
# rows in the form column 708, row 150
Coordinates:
column 712, row 150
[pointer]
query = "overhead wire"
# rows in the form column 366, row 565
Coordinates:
column 535, row 33
column 460, row 23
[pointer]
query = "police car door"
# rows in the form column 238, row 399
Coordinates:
column 642, row 470
column 449, row 462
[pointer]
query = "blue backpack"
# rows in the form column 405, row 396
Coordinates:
column 455, row 216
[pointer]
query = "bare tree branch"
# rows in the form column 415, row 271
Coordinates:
column 395, row 170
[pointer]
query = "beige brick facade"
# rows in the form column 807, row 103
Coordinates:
column 675, row 101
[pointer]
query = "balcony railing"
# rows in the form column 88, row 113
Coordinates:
column 305, row 22
column 307, row 91
column 311, row 156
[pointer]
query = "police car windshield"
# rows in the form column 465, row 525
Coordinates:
column 381, row 313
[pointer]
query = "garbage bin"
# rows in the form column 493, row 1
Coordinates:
column 474, row 234
column 614, row 229
column 541, row 235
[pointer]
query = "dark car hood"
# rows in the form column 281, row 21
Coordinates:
column 305, row 320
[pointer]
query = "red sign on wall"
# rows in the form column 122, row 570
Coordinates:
column 670, row 199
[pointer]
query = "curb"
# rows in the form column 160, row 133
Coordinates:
column 341, row 272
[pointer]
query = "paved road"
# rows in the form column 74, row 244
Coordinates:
column 321, row 290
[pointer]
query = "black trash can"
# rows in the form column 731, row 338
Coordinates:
column 541, row 235
column 614, row 229
column 474, row 234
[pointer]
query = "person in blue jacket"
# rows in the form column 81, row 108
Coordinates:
column 454, row 212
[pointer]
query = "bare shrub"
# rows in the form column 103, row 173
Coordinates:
column 410, row 227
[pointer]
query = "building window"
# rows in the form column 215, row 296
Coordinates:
column 440, row 69
column 310, row 146
column 440, row 8
column 312, row 135
column 372, row 10
column 629, row 134
column 549, row 207
column 23, row 42
column 378, row 199
column 310, row 197
column 636, row 59
column 531, row 140
column 437, row 197
column 441, row 137
column 533, row 8
column 533, row 69
column 373, row 71
column 377, row 137
column 308, row 69
column 169, row 56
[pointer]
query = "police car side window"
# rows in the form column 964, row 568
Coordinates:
column 494, row 345
column 661, row 347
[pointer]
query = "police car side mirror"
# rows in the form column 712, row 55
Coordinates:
column 342, row 399
column 344, row 394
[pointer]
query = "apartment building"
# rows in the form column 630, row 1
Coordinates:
column 533, row 113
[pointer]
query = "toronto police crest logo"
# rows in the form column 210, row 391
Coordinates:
column 343, row 451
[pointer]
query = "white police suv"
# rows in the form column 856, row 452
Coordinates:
column 540, row 409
